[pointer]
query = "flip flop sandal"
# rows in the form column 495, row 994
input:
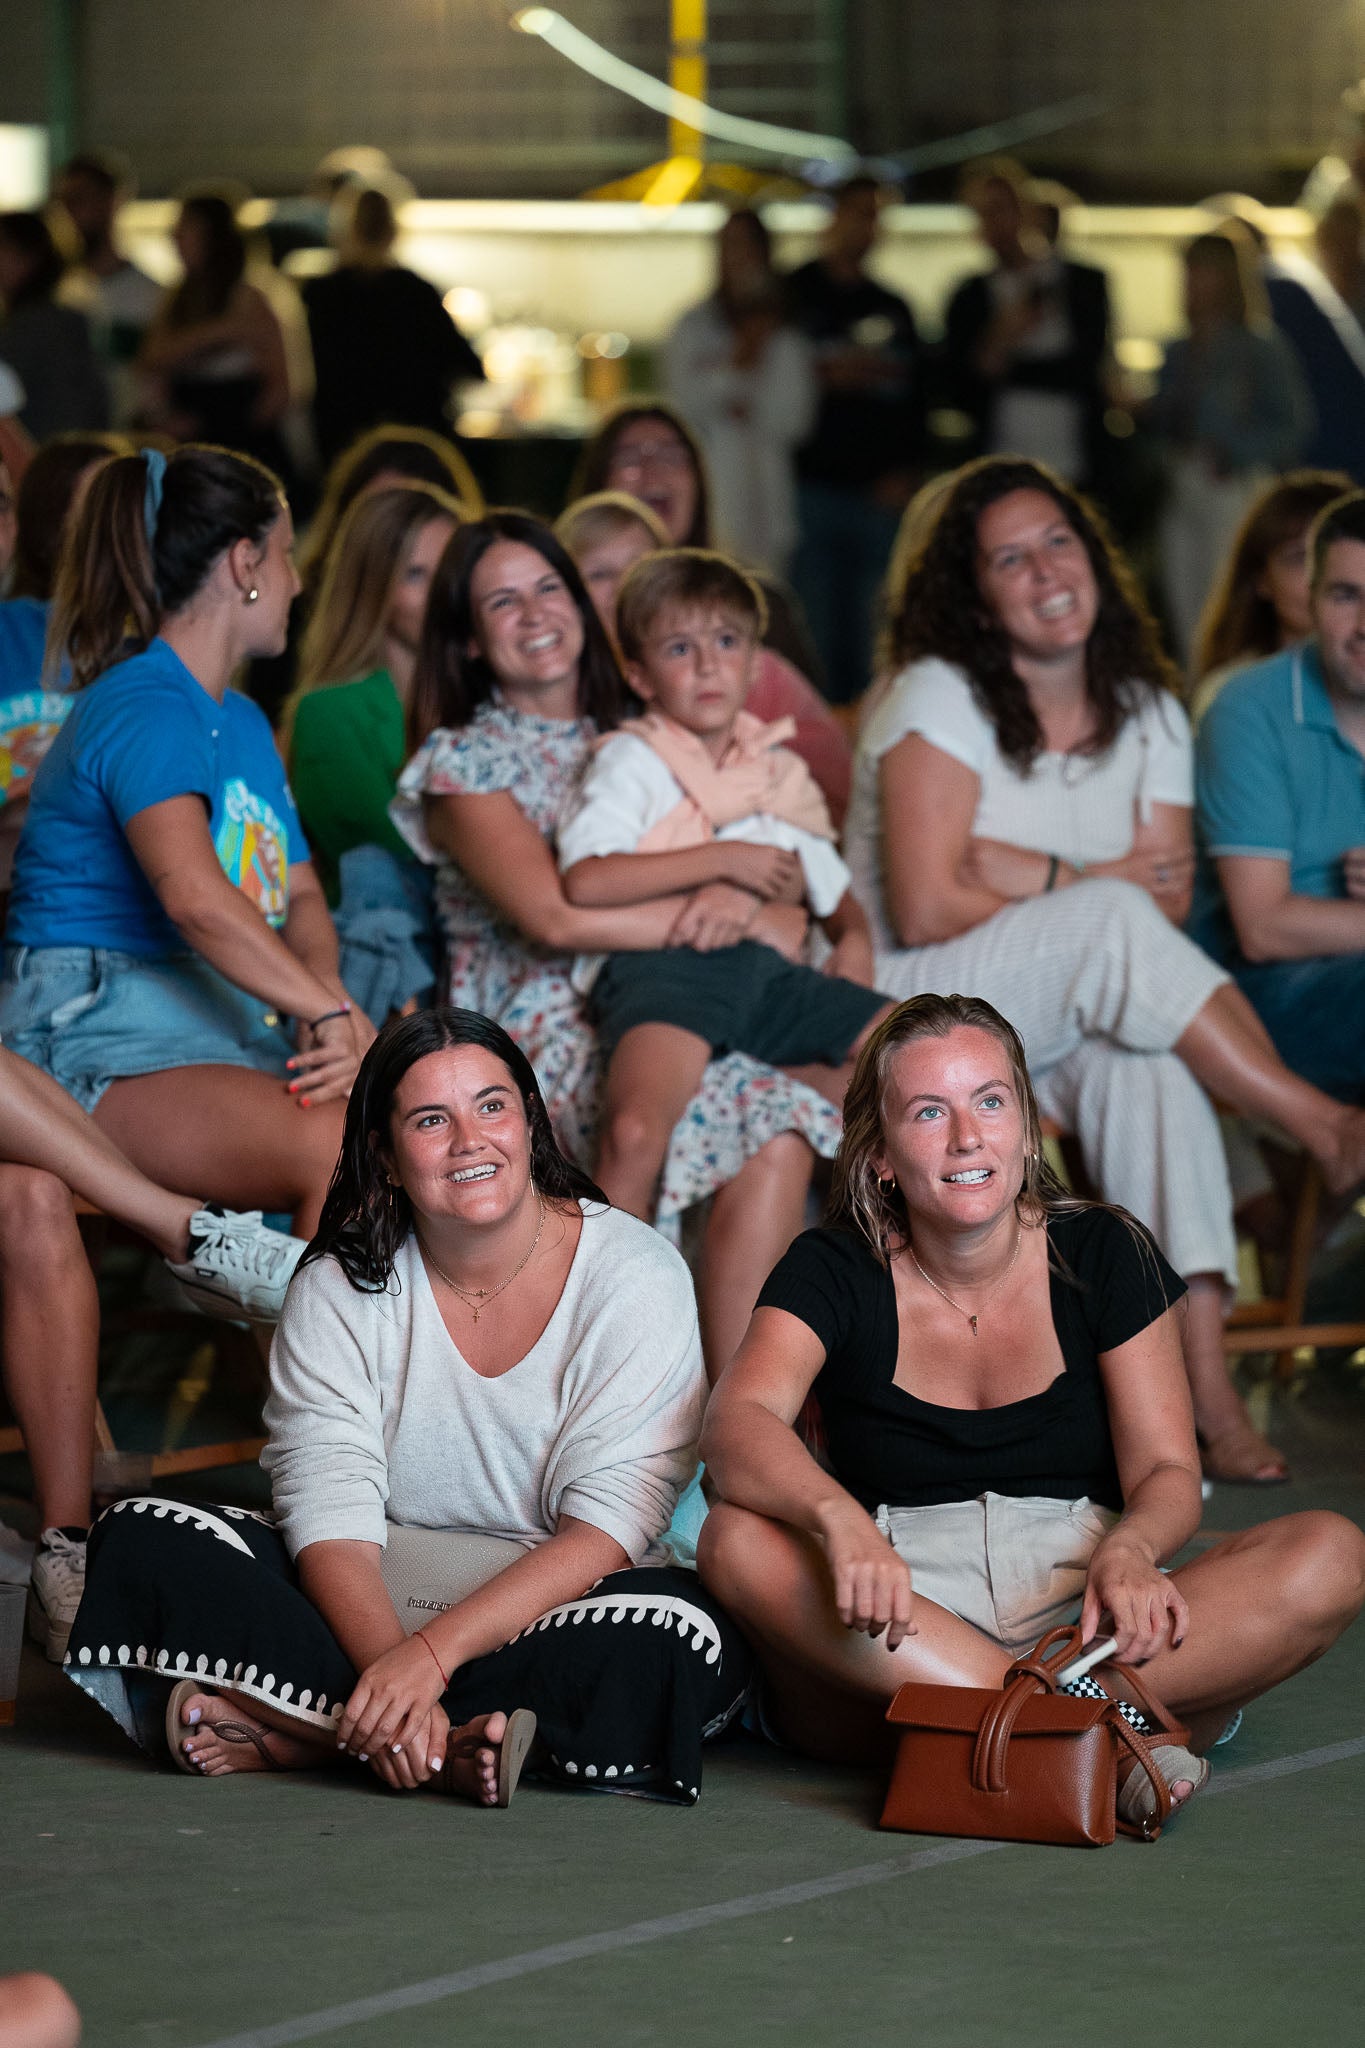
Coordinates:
column 1137, row 1800
column 520, row 1733
column 227, row 1731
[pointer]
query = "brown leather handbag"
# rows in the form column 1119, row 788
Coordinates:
column 1027, row 1763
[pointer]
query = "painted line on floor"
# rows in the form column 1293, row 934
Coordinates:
column 479, row 1975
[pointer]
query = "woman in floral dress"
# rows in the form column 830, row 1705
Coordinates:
column 515, row 679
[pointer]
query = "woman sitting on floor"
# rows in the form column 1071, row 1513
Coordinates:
column 165, row 916
column 1021, row 825
column 1010, row 1438
column 485, row 1395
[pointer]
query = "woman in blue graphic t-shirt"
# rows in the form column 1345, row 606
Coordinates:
column 170, row 958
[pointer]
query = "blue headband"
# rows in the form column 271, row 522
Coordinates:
column 156, row 480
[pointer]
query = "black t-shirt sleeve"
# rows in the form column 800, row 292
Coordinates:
column 1126, row 1281
column 824, row 1279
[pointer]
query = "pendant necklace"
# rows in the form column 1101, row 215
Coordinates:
column 998, row 1281
column 477, row 1299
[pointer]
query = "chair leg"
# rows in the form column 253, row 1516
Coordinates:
column 1300, row 1263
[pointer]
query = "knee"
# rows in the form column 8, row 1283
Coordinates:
column 1324, row 1575
column 35, row 2012
column 631, row 1134
column 730, row 1552
column 1127, row 907
column 37, row 1217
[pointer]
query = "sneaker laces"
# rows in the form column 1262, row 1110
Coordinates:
column 64, row 1559
column 242, row 1243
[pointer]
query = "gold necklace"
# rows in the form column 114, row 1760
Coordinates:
column 998, row 1281
column 478, row 1298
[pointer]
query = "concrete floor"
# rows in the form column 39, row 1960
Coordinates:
column 253, row 1912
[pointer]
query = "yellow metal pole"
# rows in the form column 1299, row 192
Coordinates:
column 687, row 71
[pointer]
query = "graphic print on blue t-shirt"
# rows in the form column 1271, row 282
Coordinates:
column 252, row 843
column 28, row 725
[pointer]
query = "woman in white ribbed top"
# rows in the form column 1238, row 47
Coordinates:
column 482, row 1367
column 1020, row 829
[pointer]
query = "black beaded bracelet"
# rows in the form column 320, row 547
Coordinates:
column 342, row 1010
column 1053, row 870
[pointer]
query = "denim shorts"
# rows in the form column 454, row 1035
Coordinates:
column 88, row 1015
column 1013, row 1568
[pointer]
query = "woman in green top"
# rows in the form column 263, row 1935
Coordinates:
column 345, row 730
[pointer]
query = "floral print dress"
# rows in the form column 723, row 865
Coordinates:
column 526, row 988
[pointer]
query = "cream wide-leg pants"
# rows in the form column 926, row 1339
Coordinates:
column 1099, row 985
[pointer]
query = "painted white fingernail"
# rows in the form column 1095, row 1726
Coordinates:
column 397, row 1748
column 364, row 1756
column 437, row 1762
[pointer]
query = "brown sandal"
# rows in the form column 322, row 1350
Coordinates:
column 1241, row 1456
column 228, row 1731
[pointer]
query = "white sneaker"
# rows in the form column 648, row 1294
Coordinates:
column 55, row 1589
column 237, row 1266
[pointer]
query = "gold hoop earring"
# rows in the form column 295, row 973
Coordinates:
column 889, row 1182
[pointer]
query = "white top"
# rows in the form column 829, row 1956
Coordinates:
column 750, row 423
column 1081, row 807
column 1048, row 425
column 374, row 1414
column 11, row 392
column 628, row 788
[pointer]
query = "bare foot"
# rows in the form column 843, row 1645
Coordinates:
column 1241, row 1456
column 216, row 1750
column 471, row 1765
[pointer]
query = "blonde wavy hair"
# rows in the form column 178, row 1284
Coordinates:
column 345, row 632
column 858, row 1199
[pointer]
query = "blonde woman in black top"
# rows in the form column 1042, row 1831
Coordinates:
column 1010, row 1441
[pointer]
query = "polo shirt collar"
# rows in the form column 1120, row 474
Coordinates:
column 1308, row 691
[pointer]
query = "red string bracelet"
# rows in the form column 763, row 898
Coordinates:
column 434, row 1658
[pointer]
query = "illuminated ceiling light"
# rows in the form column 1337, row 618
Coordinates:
column 763, row 136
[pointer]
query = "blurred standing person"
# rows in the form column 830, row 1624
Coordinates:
column 384, row 347
column 1231, row 406
column 1027, row 342
column 122, row 300
column 217, row 346
column 1339, row 243
column 858, row 470
column 746, row 381
column 47, row 345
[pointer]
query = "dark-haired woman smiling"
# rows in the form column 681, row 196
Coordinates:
column 1021, row 827
column 484, row 1399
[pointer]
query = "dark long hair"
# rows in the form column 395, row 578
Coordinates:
column 594, row 467
column 31, row 237
column 942, row 612
column 365, row 1219
column 449, row 683
column 203, row 294
column 44, row 502
column 1239, row 622
column 113, row 586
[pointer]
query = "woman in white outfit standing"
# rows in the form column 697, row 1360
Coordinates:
column 1020, row 830
column 745, row 381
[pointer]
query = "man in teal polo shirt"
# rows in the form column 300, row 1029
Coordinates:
column 1281, row 807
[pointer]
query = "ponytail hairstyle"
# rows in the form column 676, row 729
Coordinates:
column 117, row 581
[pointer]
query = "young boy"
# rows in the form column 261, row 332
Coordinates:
column 697, row 796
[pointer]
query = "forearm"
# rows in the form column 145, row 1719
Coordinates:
column 224, row 929
column 1301, row 928
column 1161, row 1513
column 311, row 936
column 924, row 918
column 560, row 1569
column 343, row 1581
column 757, row 1461
column 612, row 879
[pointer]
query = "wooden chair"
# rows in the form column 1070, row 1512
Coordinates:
column 1276, row 1323
column 118, row 1471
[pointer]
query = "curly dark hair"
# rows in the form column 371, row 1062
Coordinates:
column 943, row 613
column 365, row 1219
column 449, row 683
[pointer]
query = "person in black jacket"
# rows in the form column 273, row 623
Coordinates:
column 1027, row 342
column 384, row 347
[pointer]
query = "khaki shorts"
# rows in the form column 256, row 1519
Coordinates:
column 1012, row 1568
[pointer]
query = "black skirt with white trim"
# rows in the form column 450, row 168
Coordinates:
column 626, row 1683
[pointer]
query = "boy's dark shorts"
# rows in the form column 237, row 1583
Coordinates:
column 743, row 998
